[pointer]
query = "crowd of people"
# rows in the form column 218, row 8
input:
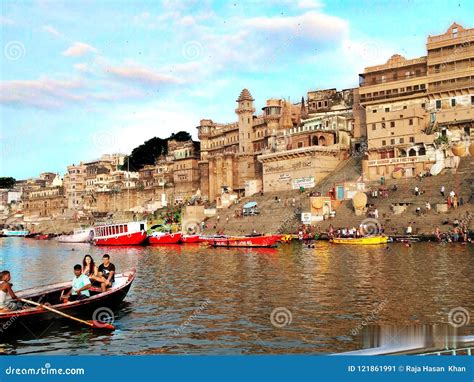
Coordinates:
column 86, row 276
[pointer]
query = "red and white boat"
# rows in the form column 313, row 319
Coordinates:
column 164, row 238
column 244, row 241
column 190, row 239
column 132, row 233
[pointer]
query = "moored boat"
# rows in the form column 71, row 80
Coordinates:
column 245, row 241
column 368, row 240
column 89, row 307
column 15, row 233
column 190, row 239
column 164, row 238
column 83, row 235
column 43, row 237
column 132, row 233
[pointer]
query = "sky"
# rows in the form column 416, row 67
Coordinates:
column 82, row 78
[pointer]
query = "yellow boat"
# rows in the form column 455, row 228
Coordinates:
column 361, row 240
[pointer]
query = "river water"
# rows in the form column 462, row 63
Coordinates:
column 191, row 299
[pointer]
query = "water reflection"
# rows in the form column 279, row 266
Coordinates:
column 328, row 290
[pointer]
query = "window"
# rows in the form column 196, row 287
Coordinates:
column 410, row 122
column 412, row 139
column 374, row 111
column 402, row 140
column 300, row 145
column 438, row 104
column 472, row 100
column 401, row 116
column 392, row 124
column 423, row 105
column 384, row 143
column 404, row 107
column 453, row 101
column 387, row 109
column 374, row 126
column 383, row 125
column 392, row 141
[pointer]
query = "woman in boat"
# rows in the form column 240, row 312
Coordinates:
column 89, row 268
column 7, row 296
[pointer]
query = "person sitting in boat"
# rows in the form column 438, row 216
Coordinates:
column 7, row 296
column 106, row 273
column 89, row 268
column 80, row 285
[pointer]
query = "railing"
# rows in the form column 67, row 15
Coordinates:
column 450, row 36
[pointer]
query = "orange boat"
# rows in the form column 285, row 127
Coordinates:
column 244, row 241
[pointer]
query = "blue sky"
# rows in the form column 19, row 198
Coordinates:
column 83, row 78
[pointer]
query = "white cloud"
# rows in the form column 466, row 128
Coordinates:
column 79, row 49
column 6, row 21
column 309, row 4
column 52, row 30
column 141, row 74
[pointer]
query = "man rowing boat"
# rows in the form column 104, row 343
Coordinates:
column 7, row 296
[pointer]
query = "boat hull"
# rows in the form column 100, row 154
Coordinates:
column 136, row 238
column 245, row 241
column 361, row 241
column 190, row 239
column 87, row 308
column 83, row 237
column 9, row 233
column 167, row 238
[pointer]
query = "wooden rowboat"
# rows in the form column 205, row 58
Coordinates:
column 91, row 307
column 369, row 240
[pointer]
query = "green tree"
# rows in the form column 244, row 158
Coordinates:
column 7, row 182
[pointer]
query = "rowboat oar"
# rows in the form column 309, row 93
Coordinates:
column 93, row 324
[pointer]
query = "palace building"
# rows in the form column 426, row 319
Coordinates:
column 409, row 103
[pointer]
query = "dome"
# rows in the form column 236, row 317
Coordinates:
column 245, row 96
column 459, row 149
column 359, row 200
column 317, row 203
column 57, row 181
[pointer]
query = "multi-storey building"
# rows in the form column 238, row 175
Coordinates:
column 185, row 167
column 229, row 151
column 75, row 186
column 450, row 64
column 305, row 153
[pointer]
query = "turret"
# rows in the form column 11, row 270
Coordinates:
column 245, row 111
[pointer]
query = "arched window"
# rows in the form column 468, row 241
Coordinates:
column 412, row 153
column 315, row 141
column 322, row 141
column 422, row 151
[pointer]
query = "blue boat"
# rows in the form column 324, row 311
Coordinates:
column 15, row 233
